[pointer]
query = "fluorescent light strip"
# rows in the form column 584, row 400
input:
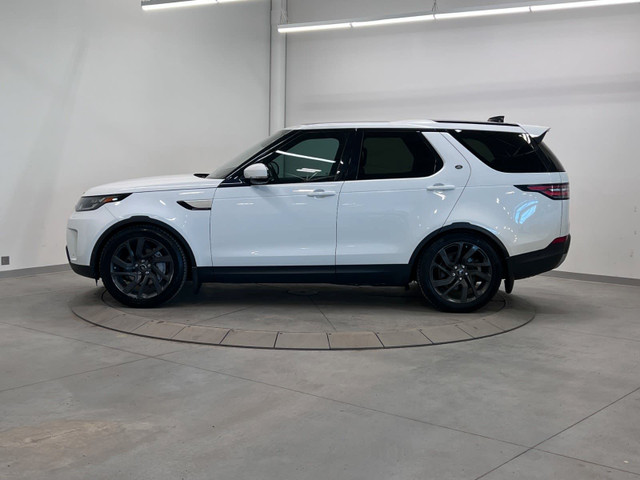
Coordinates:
column 586, row 4
column 482, row 13
column 311, row 28
column 390, row 21
column 366, row 22
column 182, row 3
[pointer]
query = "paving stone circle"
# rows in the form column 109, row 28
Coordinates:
column 318, row 317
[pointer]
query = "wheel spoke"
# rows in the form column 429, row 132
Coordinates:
column 143, row 285
column 482, row 275
column 152, row 252
column 473, row 287
column 458, row 253
column 164, row 277
column 121, row 263
column 139, row 247
column 471, row 251
column 163, row 259
column 437, row 265
column 130, row 250
column 484, row 263
column 443, row 255
column 156, row 283
column 123, row 274
column 451, row 287
column 129, row 288
column 444, row 282
column 465, row 291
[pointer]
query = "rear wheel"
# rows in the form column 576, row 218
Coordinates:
column 459, row 273
column 143, row 266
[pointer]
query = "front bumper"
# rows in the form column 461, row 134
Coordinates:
column 83, row 231
column 84, row 270
column 540, row 261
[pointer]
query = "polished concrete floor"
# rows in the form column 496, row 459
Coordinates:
column 557, row 398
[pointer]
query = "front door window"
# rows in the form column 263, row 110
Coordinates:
column 310, row 157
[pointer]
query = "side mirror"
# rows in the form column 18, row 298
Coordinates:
column 257, row 173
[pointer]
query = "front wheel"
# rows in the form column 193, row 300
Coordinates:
column 459, row 273
column 143, row 266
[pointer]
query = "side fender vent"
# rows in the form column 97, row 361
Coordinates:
column 196, row 204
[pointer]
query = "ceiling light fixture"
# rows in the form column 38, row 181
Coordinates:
column 392, row 20
column 426, row 16
column 165, row 5
column 585, row 4
column 482, row 13
column 313, row 27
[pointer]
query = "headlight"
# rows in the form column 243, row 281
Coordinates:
column 92, row 203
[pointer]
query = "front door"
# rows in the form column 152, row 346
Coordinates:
column 291, row 220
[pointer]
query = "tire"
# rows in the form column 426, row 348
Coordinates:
column 460, row 272
column 143, row 266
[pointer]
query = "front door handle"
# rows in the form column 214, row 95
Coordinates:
column 438, row 187
column 321, row 193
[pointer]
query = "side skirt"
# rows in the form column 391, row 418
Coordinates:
column 342, row 274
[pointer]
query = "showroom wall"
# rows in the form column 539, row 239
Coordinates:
column 576, row 71
column 94, row 91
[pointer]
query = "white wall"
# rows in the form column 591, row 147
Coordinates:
column 93, row 91
column 577, row 71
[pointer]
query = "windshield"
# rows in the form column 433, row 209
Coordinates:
column 230, row 165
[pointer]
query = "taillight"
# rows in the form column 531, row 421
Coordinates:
column 556, row 191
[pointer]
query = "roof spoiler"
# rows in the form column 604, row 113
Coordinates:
column 537, row 133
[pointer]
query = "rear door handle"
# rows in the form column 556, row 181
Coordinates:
column 440, row 186
column 321, row 193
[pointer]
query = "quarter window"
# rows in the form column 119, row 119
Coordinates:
column 509, row 152
column 396, row 155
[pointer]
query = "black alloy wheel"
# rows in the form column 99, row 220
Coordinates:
column 143, row 266
column 459, row 273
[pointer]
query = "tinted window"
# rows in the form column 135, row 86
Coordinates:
column 310, row 157
column 552, row 159
column 509, row 152
column 396, row 155
column 229, row 166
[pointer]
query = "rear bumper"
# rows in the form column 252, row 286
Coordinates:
column 540, row 261
column 84, row 270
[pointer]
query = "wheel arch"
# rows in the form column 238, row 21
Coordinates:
column 139, row 220
column 461, row 227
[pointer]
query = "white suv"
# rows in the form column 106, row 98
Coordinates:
column 455, row 206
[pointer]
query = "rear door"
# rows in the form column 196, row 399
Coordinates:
column 404, row 187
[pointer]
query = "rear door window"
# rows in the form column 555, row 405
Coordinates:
column 396, row 155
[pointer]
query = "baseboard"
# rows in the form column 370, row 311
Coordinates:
column 27, row 272
column 588, row 277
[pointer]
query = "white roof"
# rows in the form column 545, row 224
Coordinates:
column 377, row 124
column 429, row 124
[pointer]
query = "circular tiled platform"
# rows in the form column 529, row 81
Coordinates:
column 309, row 317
